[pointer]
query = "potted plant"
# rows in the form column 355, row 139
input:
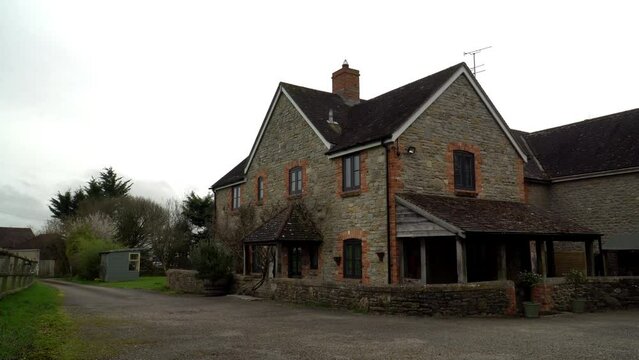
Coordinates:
column 575, row 278
column 214, row 265
column 527, row 280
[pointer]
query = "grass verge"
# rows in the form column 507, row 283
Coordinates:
column 153, row 283
column 33, row 326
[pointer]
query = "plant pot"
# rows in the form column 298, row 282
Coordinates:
column 579, row 306
column 531, row 309
column 215, row 287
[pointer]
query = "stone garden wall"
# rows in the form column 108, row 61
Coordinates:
column 601, row 293
column 184, row 281
column 484, row 298
column 16, row 273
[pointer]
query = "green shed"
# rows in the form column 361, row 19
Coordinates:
column 120, row 265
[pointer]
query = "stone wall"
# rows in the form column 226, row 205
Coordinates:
column 485, row 298
column 458, row 119
column 606, row 204
column 184, row 281
column 289, row 141
column 601, row 293
column 16, row 273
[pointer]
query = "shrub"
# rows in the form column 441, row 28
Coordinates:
column 83, row 252
column 212, row 260
column 528, row 279
column 575, row 277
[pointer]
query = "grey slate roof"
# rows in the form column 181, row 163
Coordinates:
column 292, row 224
column 236, row 174
column 13, row 238
column 490, row 216
column 370, row 120
column 605, row 143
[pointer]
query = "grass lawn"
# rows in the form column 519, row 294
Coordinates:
column 33, row 326
column 154, row 283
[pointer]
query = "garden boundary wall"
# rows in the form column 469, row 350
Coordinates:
column 600, row 293
column 16, row 273
column 481, row 298
column 184, row 281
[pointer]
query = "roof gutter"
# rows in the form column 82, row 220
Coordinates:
column 228, row 186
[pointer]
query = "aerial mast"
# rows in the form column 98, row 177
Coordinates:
column 473, row 53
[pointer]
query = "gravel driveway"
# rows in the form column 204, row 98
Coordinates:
column 134, row 324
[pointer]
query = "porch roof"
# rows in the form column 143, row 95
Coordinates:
column 469, row 215
column 291, row 224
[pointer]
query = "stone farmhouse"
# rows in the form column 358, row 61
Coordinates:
column 427, row 184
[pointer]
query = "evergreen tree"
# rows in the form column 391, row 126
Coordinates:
column 199, row 212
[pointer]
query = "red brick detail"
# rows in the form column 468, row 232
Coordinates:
column 395, row 186
column 261, row 173
column 295, row 163
column 450, row 168
column 356, row 234
column 542, row 294
column 363, row 171
column 511, row 294
column 346, row 83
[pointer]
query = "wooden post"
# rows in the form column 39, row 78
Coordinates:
column 244, row 260
column 541, row 258
column 603, row 259
column 277, row 259
column 422, row 257
column 461, row 260
column 590, row 258
column 402, row 263
column 502, row 270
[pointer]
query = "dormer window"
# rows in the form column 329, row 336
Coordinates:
column 350, row 173
column 295, row 181
column 464, row 170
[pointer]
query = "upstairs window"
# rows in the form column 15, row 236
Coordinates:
column 260, row 189
column 350, row 173
column 236, row 198
column 464, row 170
column 353, row 259
column 295, row 181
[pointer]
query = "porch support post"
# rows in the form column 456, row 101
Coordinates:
column 603, row 258
column 400, row 248
column 550, row 255
column 422, row 248
column 461, row 260
column 244, row 259
column 541, row 258
column 277, row 259
column 590, row 258
column 501, row 262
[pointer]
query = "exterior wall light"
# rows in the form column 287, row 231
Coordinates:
column 338, row 260
column 380, row 255
column 410, row 150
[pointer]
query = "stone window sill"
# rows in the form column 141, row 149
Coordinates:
column 295, row 196
column 350, row 193
column 466, row 193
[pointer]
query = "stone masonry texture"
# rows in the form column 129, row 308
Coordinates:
column 289, row 139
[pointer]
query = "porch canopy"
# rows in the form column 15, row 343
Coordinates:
column 292, row 224
column 502, row 223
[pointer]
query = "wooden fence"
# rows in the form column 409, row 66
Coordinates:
column 16, row 273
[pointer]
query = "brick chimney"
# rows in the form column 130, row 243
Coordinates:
column 346, row 84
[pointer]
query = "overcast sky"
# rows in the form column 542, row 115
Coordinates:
column 172, row 94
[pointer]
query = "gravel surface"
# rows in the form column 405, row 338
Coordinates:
column 135, row 324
